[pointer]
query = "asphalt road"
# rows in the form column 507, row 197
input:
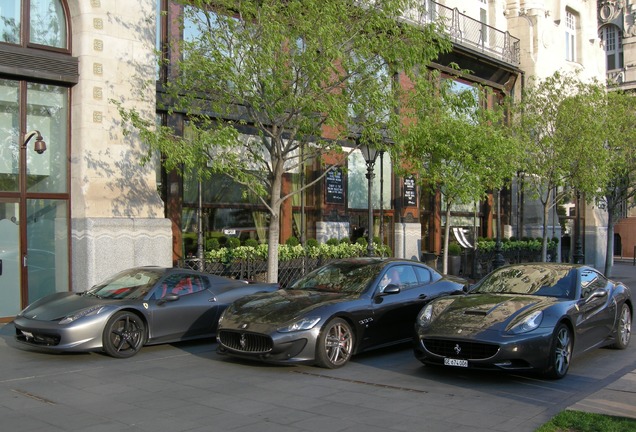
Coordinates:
column 189, row 387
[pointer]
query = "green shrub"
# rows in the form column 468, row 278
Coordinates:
column 250, row 242
column 312, row 243
column 292, row 241
column 454, row 249
column 233, row 242
column 333, row 242
column 362, row 241
column 345, row 240
column 212, row 244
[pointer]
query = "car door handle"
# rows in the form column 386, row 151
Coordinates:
column 212, row 299
column 422, row 296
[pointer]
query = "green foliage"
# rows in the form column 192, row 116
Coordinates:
column 362, row 241
column 333, row 242
column 454, row 249
column 233, row 242
column 292, row 241
column 312, row 243
column 250, row 242
column 287, row 252
column 212, row 244
column 577, row 421
column 347, row 240
column 526, row 244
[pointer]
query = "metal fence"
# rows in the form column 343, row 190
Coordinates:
column 474, row 266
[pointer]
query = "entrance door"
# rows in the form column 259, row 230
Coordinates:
column 10, row 280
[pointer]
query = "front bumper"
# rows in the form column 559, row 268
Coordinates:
column 85, row 334
column 490, row 350
column 271, row 347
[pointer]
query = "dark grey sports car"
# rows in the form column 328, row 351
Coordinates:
column 526, row 317
column 338, row 310
column 139, row 306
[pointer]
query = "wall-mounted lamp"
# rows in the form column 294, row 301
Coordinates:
column 40, row 145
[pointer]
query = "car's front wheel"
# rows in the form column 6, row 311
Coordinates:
column 335, row 344
column 124, row 335
column 560, row 352
column 624, row 328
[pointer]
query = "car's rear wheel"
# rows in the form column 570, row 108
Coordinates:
column 124, row 335
column 335, row 344
column 624, row 328
column 560, row 352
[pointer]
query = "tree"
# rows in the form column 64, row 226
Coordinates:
column 457, row 144
column 555, row 123
column 619, row 192
column 289, row 70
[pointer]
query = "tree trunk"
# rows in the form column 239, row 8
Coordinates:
column 544, row 237
column 609, row 253
column 273, row 236
column 446, row 239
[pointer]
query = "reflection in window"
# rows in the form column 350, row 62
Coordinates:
column 10, row 21
column 357, row 183
column 9, row 130
column 47, row 23
column 47, row 111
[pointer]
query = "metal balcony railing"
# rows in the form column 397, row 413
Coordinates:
column 471, row 33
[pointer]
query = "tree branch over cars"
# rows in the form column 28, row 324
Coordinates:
column 556, row 125
column 457, row 144
column 296, row 74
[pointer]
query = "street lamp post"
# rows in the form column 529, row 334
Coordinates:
column 370, row 154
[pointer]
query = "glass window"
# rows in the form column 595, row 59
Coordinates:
column 47, row 247
column 47, row 23
column 9, row 128
column 357, row 183
column 47, row 112
column 570, row 36
column 10, row 21
column 613, row 44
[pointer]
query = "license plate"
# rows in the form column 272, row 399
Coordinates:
column 455, row 362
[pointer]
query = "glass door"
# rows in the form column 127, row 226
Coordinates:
column 10, row 280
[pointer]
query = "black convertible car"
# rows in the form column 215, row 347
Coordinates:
column 338, row 310
column 133, row 308
column 526, row 317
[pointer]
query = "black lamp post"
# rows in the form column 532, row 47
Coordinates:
column 499, row 259
column 578, row 246
column 370, row 154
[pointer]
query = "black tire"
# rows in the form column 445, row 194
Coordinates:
column 623, row 328
column 335, row 344
column 124, row 335
column 560, row 352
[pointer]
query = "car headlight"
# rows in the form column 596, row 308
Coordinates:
column 93, row 310
column 529, row 323
column 425, row 317
column 302, row 324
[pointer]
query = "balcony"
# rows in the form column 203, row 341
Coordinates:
column 471, row 33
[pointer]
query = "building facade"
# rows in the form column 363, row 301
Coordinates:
column 87, row 206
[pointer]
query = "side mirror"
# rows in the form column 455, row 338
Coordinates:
column 599, row 293
column 391, row 289
column 168, row 298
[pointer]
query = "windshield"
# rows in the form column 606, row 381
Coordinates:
column 349, row 277
column 129, row 284
column 551, row 281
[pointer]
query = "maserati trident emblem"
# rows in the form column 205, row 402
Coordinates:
column 457, row 349
column 243, row 341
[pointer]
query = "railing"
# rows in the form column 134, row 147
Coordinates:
column 474, row 34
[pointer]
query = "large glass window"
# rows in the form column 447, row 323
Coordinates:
column 47, row 247
column 570, row 36
column 357, row 183
column 47, row 112
column 613, row 44
column 47, row 23
column 10, row 21
column 9, row 128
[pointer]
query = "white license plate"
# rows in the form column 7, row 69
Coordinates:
column 455, row 362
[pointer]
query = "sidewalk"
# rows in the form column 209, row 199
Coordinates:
column 619, row 398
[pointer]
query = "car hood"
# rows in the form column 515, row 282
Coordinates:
column 283, row 305
column 57, row 306
column 474, row 313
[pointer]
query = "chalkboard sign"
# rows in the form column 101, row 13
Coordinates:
column 410, row 194
column 334, row 187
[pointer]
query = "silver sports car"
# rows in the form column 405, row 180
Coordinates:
column 137, row 307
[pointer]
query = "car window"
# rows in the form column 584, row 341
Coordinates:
column 400, row 275
column 129, row 284
column 591, row 281
column 423, row 275
column 182, row 284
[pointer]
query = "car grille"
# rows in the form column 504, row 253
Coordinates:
column 245, row 342
column 36, row 338
column 460, row 349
